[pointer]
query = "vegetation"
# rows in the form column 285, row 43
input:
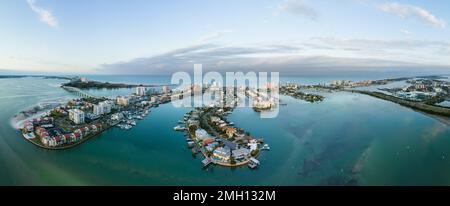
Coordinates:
column 295, row 93
column 254, row 153
column 421, row 106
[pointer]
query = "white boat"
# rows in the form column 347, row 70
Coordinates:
column 179, row 128
column 265, row 147
column 29, row 135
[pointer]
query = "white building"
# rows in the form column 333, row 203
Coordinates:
column 102, row 108
column 201, row 134
column 165, row 89
column 123, row 101
column 98, row 110
column 140, row 91
column 77, row 116
column 153, row 99
column 84, row 79
column 117, row 116
column 222, row 153
column 253, row 144
column 241, row 153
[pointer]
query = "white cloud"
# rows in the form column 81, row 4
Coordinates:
column 297, row 7
column 311, row 55
column 406, row 11
column 45, row 15
column 406, row 32
column 214, row 35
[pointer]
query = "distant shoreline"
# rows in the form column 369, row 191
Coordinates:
column 40, row 76
column 429, row 109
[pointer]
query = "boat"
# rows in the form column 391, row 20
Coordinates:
column 265, row 147
column 194, row 151
column 179, row 128
column 132, row 123
column 252, row 165
column 191, row 144
column 29, row 135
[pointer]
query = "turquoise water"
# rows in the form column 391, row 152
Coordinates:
column 349, row 139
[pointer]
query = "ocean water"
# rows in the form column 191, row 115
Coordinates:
column 349, row 139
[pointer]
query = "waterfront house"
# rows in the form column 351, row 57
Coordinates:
column 51, row 142
column 201, row 134
column 208, row 141
column 215, row 119
column 229, row 144
column 77, row 116
column 68, row 138
column 45, row 141
column 94, row 128
column 230, row 131
column 78, row 136
column 58, row 140
column 222, row 126
column 210, row 147
column 192, row 123
column 73, row 137
column 222, row 153
column 117, row 116
column 253, row 144
column 240, row 153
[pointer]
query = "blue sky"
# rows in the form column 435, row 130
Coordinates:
column 149, row 36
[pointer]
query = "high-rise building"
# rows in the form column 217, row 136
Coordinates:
column 76, row 115
column 123, row 101
column 165, row 89
column 98, row 110
column 140, row 91
column 107, row 106
column 103, row 108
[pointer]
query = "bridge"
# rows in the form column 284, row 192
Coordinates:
column 79, row 92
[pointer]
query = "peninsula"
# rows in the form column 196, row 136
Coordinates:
column 84, row 83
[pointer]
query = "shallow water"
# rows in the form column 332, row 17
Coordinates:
column 347, row 139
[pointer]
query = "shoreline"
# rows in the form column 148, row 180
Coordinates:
column 419, row 106
column 65, row 147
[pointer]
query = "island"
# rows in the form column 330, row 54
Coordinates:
column 218, row 140
column 293, row 90
column 84, row 83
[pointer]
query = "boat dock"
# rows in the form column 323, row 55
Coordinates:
column 207, row 161
column 253, row 163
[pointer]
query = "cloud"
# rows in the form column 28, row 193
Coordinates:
column 310, row 56
column 45, row 15
column 214, row 35
column 297, row 7
column 406, row 11
column 362, row 43
column 406, row 32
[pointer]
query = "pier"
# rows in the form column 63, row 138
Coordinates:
column 79, row 92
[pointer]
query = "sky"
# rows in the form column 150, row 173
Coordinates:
column 162, row 37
